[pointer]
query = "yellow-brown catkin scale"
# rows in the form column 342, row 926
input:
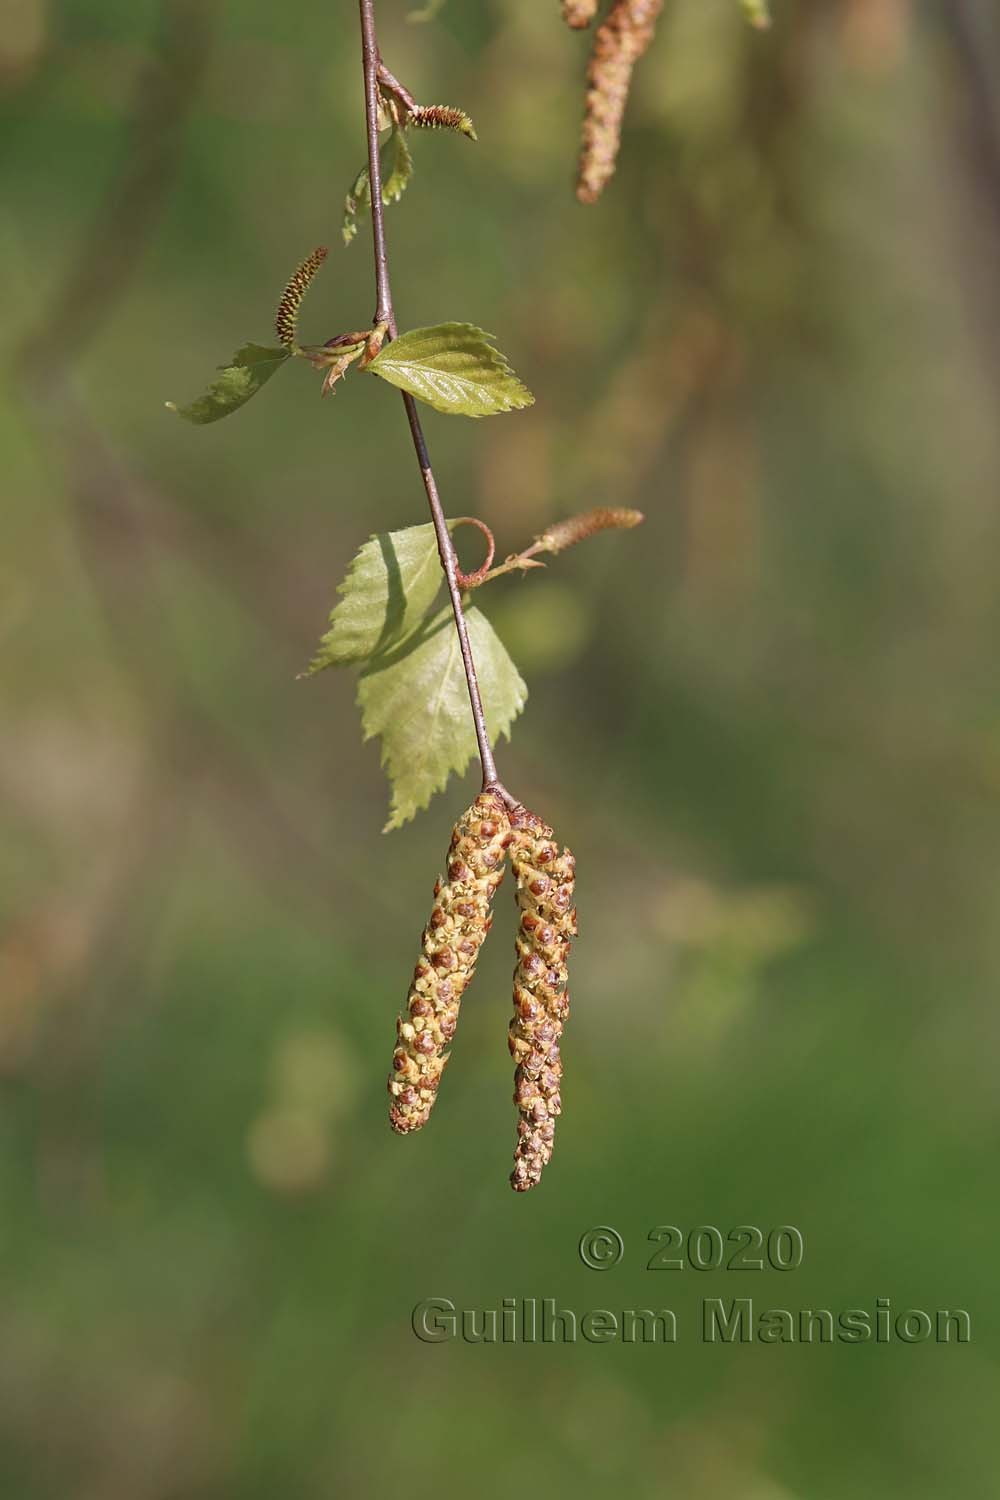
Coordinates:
column 442, row 117
column 579, row 13
column 546, row 878
column 452, row 939
column 619, row 42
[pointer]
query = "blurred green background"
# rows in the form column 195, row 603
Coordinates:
column 768, row 724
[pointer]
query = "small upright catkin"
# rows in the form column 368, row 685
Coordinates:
column 441, row 117
column 619, row 42
column 287, row 317
column 451, row 942
column 545, row 882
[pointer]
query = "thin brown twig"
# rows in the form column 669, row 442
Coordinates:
column 384, row 313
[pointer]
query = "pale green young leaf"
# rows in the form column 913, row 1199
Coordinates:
column 454, row 368
column 251, row 367
column 390, row 586
column 416, row 701
column 397, row 169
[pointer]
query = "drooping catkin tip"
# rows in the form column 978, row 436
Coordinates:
column 452, row 939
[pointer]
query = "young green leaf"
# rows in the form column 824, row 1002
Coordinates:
column 397, row 169
column 416, row 700
column 454, row 368
column 391, row 584
column 252, row 366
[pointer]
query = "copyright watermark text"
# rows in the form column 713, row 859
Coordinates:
column 735, row 1320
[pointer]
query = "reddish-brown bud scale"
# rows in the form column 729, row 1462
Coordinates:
column 451, row 942
column 541, row 1001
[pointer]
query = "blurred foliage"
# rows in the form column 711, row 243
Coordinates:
column 771, row 735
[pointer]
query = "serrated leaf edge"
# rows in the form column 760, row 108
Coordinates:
column 398, row 818
column 498, row 361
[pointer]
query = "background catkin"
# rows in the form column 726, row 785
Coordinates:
column 451, row 942
column 619, row 42
column 579, row 13
column 545, row 883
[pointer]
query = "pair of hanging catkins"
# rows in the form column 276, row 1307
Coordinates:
column 453, row 937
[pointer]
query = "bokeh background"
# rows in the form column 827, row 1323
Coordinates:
column 768, row 724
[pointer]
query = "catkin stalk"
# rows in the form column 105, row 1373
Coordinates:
column 619, row 42
column 451, row 942
column 546, row 878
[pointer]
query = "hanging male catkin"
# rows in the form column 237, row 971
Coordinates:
column 452, row 939
column 545, row 883
column 619, row 42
